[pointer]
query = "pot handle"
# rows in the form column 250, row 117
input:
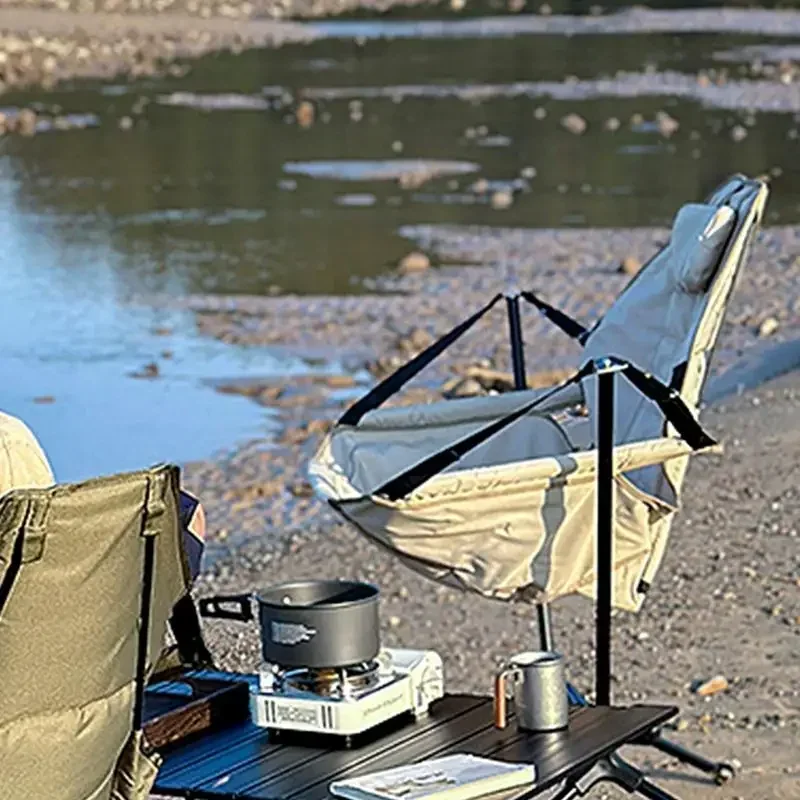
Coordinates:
column 214, row 607
column 500, row 700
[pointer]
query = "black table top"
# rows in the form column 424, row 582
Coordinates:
column 242, row 762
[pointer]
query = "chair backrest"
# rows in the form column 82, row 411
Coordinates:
column 668, row 319
column 76, row 562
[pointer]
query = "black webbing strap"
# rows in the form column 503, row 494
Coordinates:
column 185, row 626
column 389, row 386
column 570, row 326
column 14, row 565
column 668, row 400
column 672, row 407
column 413, row 478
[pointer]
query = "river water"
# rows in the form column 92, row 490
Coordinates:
column 216, row 189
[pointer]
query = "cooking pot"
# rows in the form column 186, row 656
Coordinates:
column 313, row 623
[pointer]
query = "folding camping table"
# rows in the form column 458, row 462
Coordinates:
column 241, row 762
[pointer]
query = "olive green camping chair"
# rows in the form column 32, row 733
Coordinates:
column 90, row 576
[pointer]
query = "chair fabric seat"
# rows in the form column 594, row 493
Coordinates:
column 514, row 518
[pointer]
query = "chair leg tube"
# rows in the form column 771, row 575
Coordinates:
column 721, row 771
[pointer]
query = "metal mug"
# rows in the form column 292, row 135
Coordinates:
column 540, row 691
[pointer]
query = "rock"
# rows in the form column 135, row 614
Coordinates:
column 414, row 262
column 125, row 123
column 612, row 124
column 26, row 122
column 339, row 381
column 501, row 199
column 574, row 123
column 463, row 387
column 738, row 132
column 150, row 370
column 301, row 489
column 630, row 265
column 305, row 114
column 667, row 125
column 717, row 684
column 415, row 341
column 769, row 326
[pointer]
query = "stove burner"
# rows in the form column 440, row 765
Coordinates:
column 331, row 682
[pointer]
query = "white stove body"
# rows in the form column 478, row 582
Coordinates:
column 408, row 681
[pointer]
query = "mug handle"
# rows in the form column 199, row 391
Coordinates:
column 214, row 607
column 500, row 700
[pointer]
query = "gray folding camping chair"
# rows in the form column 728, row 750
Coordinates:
column 496, row 495
column 90, row 575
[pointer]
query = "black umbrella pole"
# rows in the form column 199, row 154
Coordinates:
column 517, row 348
column 605, row 533
column 521, row 382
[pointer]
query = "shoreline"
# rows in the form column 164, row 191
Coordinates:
column 48, row 44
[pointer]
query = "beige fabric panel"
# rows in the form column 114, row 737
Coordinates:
column 500, row 531
column 23, row 463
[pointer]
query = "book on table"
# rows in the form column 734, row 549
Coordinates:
column 456, row 777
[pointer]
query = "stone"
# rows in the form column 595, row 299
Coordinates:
column 667, row 125
column 150, row 370
column 414, row 262
column 630, row 265
column 574, row 123
column 769, row 326
column 464, row 387
column 738, row 132
column 715, row 685
column 501, row 199
column 305, row 114
column 301, row 489
column 26, row 122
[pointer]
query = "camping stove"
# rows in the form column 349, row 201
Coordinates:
column 349, row 701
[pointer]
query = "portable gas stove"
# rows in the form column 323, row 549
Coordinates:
column 349, row 701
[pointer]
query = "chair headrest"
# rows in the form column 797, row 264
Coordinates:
column 699, row 234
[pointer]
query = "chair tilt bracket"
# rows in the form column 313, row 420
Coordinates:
column 602, row 366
